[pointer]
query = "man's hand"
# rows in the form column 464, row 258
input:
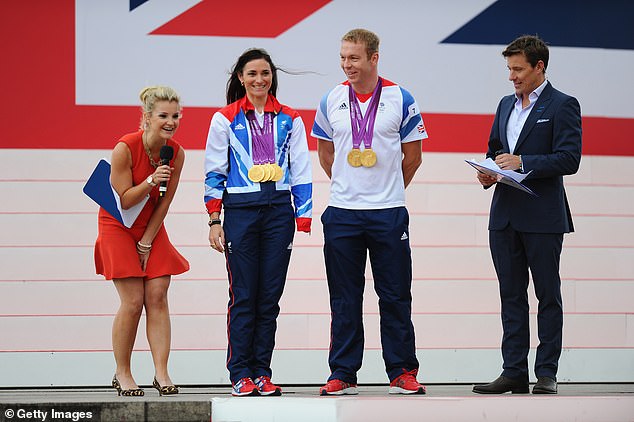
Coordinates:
column 486, row 180
column 508, row 161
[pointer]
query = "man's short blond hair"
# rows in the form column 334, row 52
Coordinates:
column 363, row 36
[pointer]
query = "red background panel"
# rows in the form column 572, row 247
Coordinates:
column 39, row 110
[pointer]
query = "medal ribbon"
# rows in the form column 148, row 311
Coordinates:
column 262, row 139
column 363, row 126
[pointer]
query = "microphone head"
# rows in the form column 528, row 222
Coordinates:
column 167, row 153
column 496, row 146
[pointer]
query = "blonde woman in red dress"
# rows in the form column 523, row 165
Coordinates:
column 140, row 260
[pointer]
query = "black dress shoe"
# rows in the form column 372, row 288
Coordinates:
column 545, row 385
column 502, row 385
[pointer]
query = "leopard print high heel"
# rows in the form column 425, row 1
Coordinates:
column 132, row 392
column 166, row 390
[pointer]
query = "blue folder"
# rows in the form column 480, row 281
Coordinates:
column 99, row 189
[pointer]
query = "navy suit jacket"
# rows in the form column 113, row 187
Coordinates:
column 550, row 146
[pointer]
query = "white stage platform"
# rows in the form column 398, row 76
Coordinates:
column 578, row 403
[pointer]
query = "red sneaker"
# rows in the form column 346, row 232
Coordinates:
column 266, row 387
column 244, row 387
column 407, row 384
column 338, row 388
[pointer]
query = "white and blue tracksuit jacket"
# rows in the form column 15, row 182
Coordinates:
column 228, row 158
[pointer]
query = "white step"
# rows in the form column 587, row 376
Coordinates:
column 52, row 301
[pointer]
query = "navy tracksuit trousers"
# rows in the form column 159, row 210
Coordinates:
column 349, row 235
column 258, row 243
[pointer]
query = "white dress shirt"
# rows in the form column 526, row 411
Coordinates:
column 519, row 115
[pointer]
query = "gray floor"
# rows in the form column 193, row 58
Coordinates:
column 98, row 394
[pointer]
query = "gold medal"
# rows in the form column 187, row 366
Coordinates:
column 277, row 173
column 368, row 158
column 256, row 173
column 354, row 158
column 266, row 172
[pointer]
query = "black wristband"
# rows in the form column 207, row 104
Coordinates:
column 214, row 222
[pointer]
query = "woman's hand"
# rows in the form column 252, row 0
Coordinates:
column 162, row 174
column 143, row 259
column 143, row 250
column 217, row 238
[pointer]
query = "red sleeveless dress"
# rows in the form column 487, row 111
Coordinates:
column 115, row 249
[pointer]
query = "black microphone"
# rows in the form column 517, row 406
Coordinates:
column 166, row 154
column 497, row 148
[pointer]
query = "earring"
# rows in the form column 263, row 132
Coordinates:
column 242, row 83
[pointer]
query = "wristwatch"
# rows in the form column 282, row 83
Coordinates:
column 150, row 181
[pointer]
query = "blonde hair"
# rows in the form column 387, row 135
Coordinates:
column 363, row 36
column 152, row 94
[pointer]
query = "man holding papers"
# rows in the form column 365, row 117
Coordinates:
column 536, row 130
column 509, row 177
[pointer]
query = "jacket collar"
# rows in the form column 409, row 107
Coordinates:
column 271, row 106
column 538, row 109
